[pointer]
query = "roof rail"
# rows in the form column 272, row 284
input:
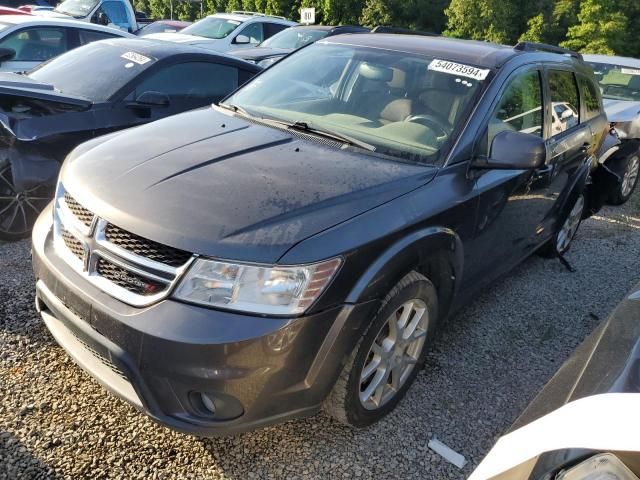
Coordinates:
column 543, row 47
column 256, row 14
column 401, row 31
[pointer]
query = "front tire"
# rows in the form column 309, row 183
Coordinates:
column 628, row 169
column 19, row 209
column 390, row 354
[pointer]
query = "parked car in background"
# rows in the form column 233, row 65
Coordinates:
column 295, row 247
column 228, row 31
column 599, row 381
column 93, row 90
column 163, row 26
column 285, row 42
column 114, row 13
column 619, row 79
column 19, row 3
column 28, row 40
column 12, row 11
column 31, row 8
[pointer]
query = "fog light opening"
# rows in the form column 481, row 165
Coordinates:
column 207, row 403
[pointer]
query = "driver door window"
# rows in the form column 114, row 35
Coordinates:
column 253, row 32
column 520, row 108
column 36, row 44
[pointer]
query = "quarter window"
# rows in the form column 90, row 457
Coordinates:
column 564, row 101
column 589, row 98
column 520, row 108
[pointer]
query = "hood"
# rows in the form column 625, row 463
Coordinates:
column 260, row 53
column 227, row 188
column 621, row 110
column 626, row 114
column 50, row 14
column 180, row 38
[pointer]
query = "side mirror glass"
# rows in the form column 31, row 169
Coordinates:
column 100, row 18
column 6, row 54
column 514, row 151
column 242, row 40
column 151, row 99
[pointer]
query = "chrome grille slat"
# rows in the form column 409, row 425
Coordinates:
column 125, row 265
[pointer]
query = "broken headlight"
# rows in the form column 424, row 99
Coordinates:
column 266, row 290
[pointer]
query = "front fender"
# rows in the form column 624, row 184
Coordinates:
column 408, row 253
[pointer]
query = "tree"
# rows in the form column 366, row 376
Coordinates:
column 492, row 20
column 602, row 28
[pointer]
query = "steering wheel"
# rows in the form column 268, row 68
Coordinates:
column 433, row 123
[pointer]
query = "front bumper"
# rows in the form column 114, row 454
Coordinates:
column 161, row 358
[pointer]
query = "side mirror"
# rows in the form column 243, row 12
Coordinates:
column 567, row 114
column 101, row 18
column 242, row 40
column 514, row 151
column 151, row 99
column 6, row 54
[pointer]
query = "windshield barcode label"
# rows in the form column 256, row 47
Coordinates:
column 453, row 68
column 136, row 57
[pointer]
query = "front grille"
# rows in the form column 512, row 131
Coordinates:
column 101, row 358
column 146, row 248
column 73, row 244
column 128, row 280
column 81, row 213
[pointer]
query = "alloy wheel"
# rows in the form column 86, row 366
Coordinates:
column 630, row 176
column 393, row 354
column 19, row 209
column 570, row 226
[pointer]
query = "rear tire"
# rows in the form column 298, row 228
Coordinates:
column 628, row 168
column 389, row 355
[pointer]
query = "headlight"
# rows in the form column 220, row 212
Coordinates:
column 267, row 62
column 268, row 290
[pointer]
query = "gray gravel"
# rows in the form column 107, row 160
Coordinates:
column 486, row 365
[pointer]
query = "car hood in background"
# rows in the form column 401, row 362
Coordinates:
column 627, row 116
column 184, row 38
column 260, row 53
column 227, row 188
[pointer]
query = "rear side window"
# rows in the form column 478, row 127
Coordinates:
column 192, row 80
column 88, row 36
column 590, row 99
column 519, row 109
column 565, row 104
column 270, row 29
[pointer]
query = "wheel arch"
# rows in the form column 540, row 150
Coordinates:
column 435, row 252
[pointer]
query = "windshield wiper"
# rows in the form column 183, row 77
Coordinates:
column 303, row 127
column 340, row 137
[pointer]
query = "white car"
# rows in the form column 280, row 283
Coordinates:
column 619, row 79
column 228, row 31
column 26, row 41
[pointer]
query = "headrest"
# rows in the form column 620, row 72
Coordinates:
column 376, row 72
column 399, row 78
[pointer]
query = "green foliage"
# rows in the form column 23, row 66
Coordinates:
column 603, row 26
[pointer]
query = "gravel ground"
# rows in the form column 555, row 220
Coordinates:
column 486, row 365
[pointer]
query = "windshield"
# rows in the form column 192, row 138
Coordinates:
column 618, row 82
column 212, row 27
column 403, row 105
column 105, row 70
column 76, row 8
column 293, row 38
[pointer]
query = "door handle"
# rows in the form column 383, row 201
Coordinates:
column 585, row 146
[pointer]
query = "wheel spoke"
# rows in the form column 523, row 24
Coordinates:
column 24, row 217
column 418, row 333
column 396, row 375
column 371, row 367
column 407, row 310
column 13, row 219
column 8, row 207
column 7, row 182
column 378, row 380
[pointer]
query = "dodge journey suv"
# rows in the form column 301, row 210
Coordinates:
column 294, row 248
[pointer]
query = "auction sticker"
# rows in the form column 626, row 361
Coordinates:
column 453, row 68
column 136, row 57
